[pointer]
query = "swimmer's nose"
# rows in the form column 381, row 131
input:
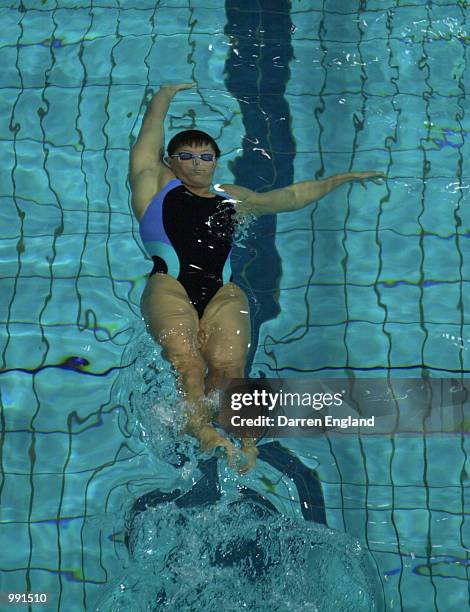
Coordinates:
column 196, row 161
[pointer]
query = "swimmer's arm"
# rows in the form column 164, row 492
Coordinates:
column 296, row 196
column 147, row 153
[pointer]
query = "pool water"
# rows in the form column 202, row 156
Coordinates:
column 363, row 283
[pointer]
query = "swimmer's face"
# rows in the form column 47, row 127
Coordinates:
column 196, row 171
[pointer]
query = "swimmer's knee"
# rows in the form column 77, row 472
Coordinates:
column 187, row 362
column 228, row 366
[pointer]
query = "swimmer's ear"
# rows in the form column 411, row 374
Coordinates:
column 166, row 161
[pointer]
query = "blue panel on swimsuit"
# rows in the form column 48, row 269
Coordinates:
column 151, row 225
column 227, row 270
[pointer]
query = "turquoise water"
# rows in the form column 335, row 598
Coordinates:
column 370, row 281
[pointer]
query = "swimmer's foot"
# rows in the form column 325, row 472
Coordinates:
column 210, row 439
column 250, row 452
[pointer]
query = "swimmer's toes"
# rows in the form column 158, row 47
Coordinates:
column 250, row 455
column 236, row 460
column 221, row 446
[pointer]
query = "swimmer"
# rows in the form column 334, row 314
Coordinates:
column 191, row 304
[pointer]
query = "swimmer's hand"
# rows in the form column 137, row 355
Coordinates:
column 362, row 177
column 178, row 87
column 160, row 101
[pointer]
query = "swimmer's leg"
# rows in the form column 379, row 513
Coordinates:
column 173, row 322
column 225, row 335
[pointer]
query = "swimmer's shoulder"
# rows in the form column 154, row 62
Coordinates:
column 146, row 185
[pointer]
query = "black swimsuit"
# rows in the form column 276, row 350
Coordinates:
column 190, row 237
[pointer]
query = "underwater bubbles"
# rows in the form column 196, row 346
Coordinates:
column 156, row 408
column 240, row 556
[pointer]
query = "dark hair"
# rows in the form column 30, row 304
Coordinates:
column 192, row 137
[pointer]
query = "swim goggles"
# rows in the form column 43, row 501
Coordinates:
column 185, row 156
